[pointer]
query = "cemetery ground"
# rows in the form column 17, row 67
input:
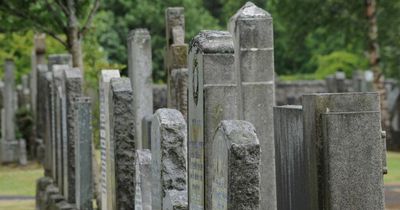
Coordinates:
column 17, row 184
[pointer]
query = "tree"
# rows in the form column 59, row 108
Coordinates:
column 70, row 18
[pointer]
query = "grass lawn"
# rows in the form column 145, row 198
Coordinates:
column 19, row 180
column 17, row 205
column 393, row 160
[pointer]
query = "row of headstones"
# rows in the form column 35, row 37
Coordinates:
column 12, row 99
column 362, row 81
column 296, row 160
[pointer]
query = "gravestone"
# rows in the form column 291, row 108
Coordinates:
column 83, row 153
column 212, row 97
column 49, row 132
column 40, row 110
column 72, row 88
column 104, row 79
column 175, row 200
column 236, row 179
column 291, row 187
column 252, row 31
column 9, row 145
column 143, row 180
column 313, row 106
column 168, row 149
column 60, row 59
column 122, row 144
column 146, row 131
column 23, row 159
column 352, row 160
column 139, row 71
column 38, row 57
column 176, row 58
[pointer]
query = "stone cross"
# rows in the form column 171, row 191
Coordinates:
column 139, row 71
column 290, row 159
column 236, row 180
column 252, row 31
column 212, row 97
column 83, row 153
column 105, row 77
column 169, row 154
column 143, row 180
column 122, row 142
column 72, row 87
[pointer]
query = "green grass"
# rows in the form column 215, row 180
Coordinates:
column 393, row 160
column 17, row 180
column 17, row 205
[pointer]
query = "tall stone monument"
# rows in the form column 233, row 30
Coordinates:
column 139, row 71
column 252, row 31
column 212, row 97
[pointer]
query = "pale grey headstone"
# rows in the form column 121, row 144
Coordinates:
column 105, row 77
column 140, row 71
column 352, row 161
column 23, row 159
column 122, row 142
column 143, row 180
column 83, row 154
column 179, row 88
column 290, row 159
column 169, row 154
column 146, row 131
column 175, row 200
column 212, row 97
column 236, row 178
column 252, row 31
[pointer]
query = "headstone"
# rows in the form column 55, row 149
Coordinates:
column 23, row 160
column 169, row 153
column 143, row 180
column 252, row 31
column 83, row 154
column 47, row 91
column 176, row 57
column 146, row 131
column 122, row 142
column 352, row 161
column 40, row 112
column 212, row 97
column 139, row 71
column 38, row 57
column 340, row 82
column 9, row 144
column 72, row 87
column 175, row 200
column 291, row 187
column 104, row 79
column 159, row 96
column 313, row 106
column 60, row 59
column 236, row 180
column 331, row 85
column 179, row 89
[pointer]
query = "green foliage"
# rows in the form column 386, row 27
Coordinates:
column 338, row 61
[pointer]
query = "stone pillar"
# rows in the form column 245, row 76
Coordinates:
column 143, row 180
column 105, row 77
column 47, row 138
column 122, row 142
column 252, row 32
column 313, row 106
column 340, row 82
column 72, row 87
column 169, row 154
column 139, row 71
column 176, row 58
column 39, row 57
column 290, row 159
column 83, row 154
column 146, row 131
column 9, row 145
column 212, row 97
column 236, row 182
column 352, row 160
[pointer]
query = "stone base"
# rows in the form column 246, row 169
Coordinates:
column 9, row 152
column 48, row 196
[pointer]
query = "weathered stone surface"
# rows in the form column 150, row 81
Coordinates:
column 290, row 151
column 104, row 79
column 352, row 161
column 252, row 32
column 40, row 112
column 23, row 159
column 59, row 59
column 236, row 178
column 159, row 96
column 143, row 180
column 139, row 71
column 146, row 131
column 179, row 87
column 169, row 153
column 83, row 154
column 174, row 18
column 122, row 141
column 175, row 200
column 41, row 185
column 38, row 57
column 47, row 139
column 49, row 191
column 72, row 87
column 212, row 97
column 313, row 106
column 53, row 200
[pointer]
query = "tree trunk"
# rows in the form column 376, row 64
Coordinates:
column 374, row 60
column 73, row 37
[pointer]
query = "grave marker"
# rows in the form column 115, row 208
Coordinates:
column 143, row 180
